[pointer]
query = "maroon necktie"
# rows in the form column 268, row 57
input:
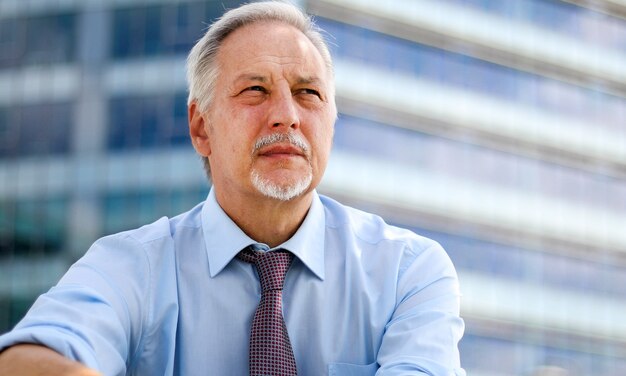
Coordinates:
column 270, row 348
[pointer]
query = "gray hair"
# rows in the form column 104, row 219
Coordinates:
column 202, row 68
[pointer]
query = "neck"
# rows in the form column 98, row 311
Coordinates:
column 266, row 220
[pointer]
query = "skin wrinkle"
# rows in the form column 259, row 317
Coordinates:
column 272, row 81
column 275, row 138
column 273, row 190
column 269, row 137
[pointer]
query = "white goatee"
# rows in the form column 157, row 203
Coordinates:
column 282, row 192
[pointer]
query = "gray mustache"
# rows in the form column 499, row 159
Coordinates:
column 274, row 138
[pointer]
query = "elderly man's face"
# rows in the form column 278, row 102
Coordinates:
column 270, row 124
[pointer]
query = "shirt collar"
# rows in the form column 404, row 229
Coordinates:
column 224, row 239
column 308, row 242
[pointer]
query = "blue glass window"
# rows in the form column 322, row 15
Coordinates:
column 474, row 75
column 130, row 209
column 541, row 266
column 479, row 164
column 37, row 40
column 163, row 29
column 147, row 122
column 431, row 153
column 520, row 354
column 12, row 309
column 38, row 129
column 562, row 17
column 32, row 227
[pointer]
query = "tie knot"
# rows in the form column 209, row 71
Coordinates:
column 271, row 266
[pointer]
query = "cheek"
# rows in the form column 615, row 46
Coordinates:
column 322, row 142
column 237, row 130
column 326, row 132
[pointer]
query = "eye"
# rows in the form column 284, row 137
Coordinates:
column 309, row 91
column 256, row 88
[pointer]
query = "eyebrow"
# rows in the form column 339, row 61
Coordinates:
column 309, row 80
column 252, row 77
column 264, row 79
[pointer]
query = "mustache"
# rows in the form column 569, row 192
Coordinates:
column 275, row 138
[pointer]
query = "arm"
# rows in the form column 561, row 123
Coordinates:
column 422, row 335
column 93, row 316
column 38, row 360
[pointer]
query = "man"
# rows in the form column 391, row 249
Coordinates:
column 180, row 296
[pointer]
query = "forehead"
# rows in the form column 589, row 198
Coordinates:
column 270, row 47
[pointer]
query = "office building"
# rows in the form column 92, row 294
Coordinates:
column 494, row 127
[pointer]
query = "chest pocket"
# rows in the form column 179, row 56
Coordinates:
column 346, row 369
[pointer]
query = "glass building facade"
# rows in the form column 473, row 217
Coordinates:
column 494, row 127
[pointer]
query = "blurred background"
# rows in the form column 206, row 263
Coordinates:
column 496, row 127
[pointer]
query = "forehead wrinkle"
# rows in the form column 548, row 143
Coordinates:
column 252, row 77
column 268, row 68
column 308, row 80
column 264, row 69
column 294, row 77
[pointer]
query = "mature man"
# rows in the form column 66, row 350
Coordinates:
column 266, row 276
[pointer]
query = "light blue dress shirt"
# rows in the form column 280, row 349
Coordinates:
column 361, row 298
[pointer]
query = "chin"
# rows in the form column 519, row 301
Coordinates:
column 278, row 189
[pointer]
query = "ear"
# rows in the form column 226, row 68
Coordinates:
column 198, row 130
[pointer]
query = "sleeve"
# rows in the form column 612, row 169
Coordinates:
column 422, row 335
column 94, row 315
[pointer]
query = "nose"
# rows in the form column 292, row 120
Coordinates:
column 283, row 111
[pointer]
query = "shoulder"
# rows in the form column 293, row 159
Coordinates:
column 148, row 244
column 397, row 253
column 371, row 228
column 161, row 230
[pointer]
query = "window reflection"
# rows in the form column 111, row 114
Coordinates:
column 478, row 164
column 35, row 129
column 13, row 308
column 559, row 16
column 37, row 40
column 504, row 356
column 147, row 122
column 130, row 209
column 163, row 29
column 32, row 227
column 474, row 75
column 540, row 266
